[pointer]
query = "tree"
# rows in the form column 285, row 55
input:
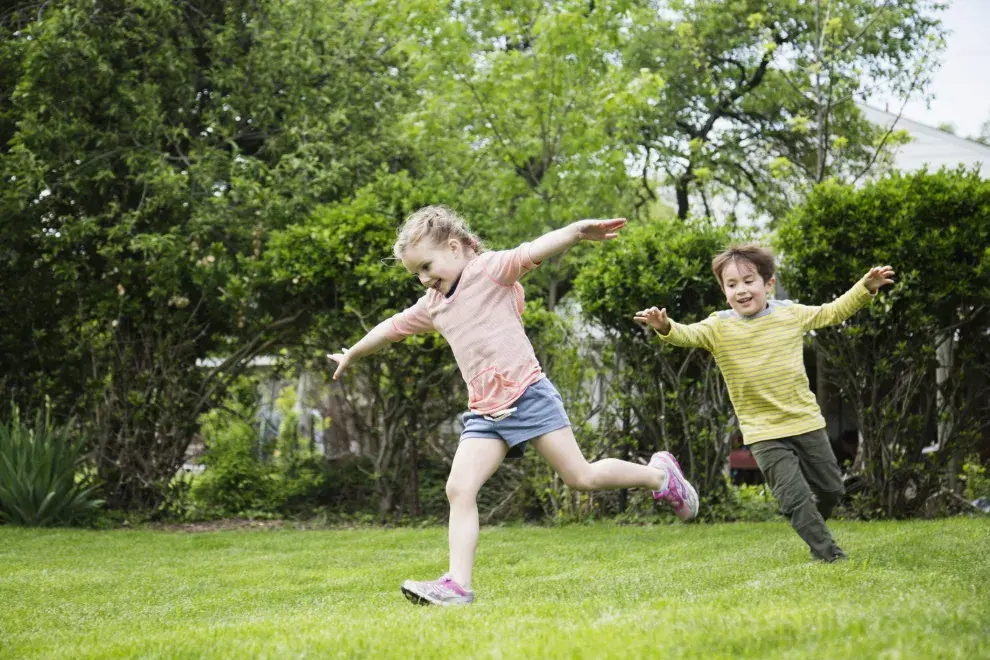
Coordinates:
column 758, row 101
column 915, row 365
column 336, row 263
column 150, row 148
column 519, row 108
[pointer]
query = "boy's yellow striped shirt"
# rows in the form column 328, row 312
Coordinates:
column 762, row 361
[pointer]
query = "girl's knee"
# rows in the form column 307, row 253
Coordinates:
column 582, row 479
column 459, row 489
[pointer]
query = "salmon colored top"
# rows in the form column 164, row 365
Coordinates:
column 482, row 322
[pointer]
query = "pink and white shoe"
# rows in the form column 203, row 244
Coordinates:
column 678, row 492
column 437, row 592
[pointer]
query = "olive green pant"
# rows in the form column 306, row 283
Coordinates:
column 804, row 477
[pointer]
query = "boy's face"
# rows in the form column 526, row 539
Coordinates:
column 744, row 288
column 437, row 265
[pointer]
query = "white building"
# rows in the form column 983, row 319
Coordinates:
column 929, row 146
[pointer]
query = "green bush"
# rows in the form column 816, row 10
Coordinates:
column 976, row 478
column 914, row 365
column 660, row 396
column 43, row 480
column 245, row 478
column 745, row 503
column 236, row 481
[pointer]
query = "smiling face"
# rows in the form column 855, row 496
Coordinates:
column 744, row 288
column 437, row 265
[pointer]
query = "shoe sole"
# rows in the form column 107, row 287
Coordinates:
column 415, row 598
column 692, row 493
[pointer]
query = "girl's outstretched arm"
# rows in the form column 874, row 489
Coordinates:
column 374, row 341
column 560, row 240
column 406, row 323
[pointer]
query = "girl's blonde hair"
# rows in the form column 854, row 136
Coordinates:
column 437, row 223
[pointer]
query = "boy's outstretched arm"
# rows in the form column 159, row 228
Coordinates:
column 374, row 341
column 696, row 335
column 837, row 311
column 878, row 277
column 655, row 318
column 560, row 240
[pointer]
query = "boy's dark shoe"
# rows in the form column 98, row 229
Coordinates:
column 837, row 555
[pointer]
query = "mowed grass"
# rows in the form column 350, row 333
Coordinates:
column 910, row 589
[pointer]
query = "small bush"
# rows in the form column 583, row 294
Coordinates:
column 244, row 478
column 236, row 480
column 745, row 503
column 976, row 478
column 43, row 480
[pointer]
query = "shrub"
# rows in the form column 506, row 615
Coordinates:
column 914, row 365
column 43, row 480
column 976, row 478
column 236, row 481
column 660, row 396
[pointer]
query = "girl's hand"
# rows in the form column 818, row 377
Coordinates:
column 599, row 230
column 879, row 276
column 656, row 318
column 342, row 361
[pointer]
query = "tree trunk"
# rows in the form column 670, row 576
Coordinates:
column 681, row 189
column 945, row 355
column 386, row 500
column 304, row 425
column 552, row 288
column 417, row 509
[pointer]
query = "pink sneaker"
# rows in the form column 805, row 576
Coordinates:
column 437, row 592
column 678, row 492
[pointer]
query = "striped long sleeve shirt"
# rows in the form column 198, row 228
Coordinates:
column 762, row 360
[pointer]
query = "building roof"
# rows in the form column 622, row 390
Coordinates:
column 931, row 147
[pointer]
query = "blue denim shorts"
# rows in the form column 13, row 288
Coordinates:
column 538, row 411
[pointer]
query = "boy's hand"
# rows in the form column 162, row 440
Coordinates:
column 654, row 317
column 342, row 361
column 879, row 276
column 599, row 230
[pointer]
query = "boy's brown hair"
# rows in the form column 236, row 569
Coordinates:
column 756, row 255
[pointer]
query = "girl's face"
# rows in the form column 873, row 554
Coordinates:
column 744, row 288
column 437, row 265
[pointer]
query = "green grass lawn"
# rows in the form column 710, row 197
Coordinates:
column 910, row 589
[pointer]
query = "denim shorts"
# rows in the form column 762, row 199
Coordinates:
column 538, row 411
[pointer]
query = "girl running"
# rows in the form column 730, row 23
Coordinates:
column 474, row 299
